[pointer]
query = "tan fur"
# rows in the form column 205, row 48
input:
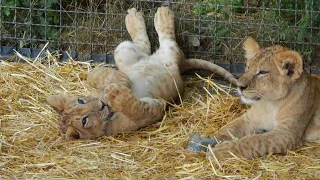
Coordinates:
column 285, row 109
column 251, row 48
column 136, row 95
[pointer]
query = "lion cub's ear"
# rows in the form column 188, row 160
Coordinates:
column 289, row 64
column 251, row 48
column 72, row 134
column 58, row 102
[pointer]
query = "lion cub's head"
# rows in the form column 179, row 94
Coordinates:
column 81, row 117
column 270, row 72
column 87, row 117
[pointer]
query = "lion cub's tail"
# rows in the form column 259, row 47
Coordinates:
column 191, row 64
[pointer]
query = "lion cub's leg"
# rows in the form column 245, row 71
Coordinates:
column 239, row 128
column 287, row 135
column 169, row 50
column 279, row 140
column 142, row 111
column 249, row 145
column 128, row 53
column 164, row 23
column 136, row 27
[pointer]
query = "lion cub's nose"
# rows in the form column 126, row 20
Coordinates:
column 243, row 87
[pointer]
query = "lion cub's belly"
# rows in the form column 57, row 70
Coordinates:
column 152, row 79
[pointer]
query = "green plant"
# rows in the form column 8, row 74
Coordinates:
column 37, row 22
column 234, row 20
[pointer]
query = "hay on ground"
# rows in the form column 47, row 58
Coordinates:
column 32, row 147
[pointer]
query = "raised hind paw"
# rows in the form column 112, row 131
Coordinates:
column 135, row 23
column 136, row 27
column 199, row 144
column 164, row 23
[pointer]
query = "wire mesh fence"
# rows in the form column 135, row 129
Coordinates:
column 208, row 29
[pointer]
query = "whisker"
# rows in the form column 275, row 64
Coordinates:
column 251, row 91
column 261, row 95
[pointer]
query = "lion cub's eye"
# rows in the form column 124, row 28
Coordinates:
column 85, row 121
column 82, row 101
column 263, row 72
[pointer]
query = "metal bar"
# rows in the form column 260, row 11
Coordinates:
column 60, row 23
column 105, row 29
column 206, row 27
column 279, row 14
column 226, row 38
column 75, row 26
column 1, row 23
column 311, row 35
column 45, row 20
column 181, row 3
column 15, row 20
column 30, row 23
column 90, row 28
column 195, row 20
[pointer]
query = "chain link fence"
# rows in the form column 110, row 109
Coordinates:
column 208, row 29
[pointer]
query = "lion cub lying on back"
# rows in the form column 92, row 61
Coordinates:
column 135, row 96
column 285, row 105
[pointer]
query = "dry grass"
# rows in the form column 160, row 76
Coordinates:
column 32, row 147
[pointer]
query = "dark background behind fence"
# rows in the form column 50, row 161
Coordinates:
column 208, row 29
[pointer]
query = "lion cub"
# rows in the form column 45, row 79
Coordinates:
column 136, row 95
column 285, row 107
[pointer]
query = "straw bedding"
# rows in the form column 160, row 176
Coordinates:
column 32, row 147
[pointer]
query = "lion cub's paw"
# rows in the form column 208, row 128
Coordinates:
column 224, row 150
column 199, row 144
column 164, row 23
column 118, row 97
column 135, row 23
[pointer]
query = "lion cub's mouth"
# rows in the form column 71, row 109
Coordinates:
column 248, row 100
column 256, row 98
column 103, row 106
column 111, row 113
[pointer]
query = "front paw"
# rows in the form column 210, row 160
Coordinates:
column 200, row 144
column 224, row 150
column 118, row 97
